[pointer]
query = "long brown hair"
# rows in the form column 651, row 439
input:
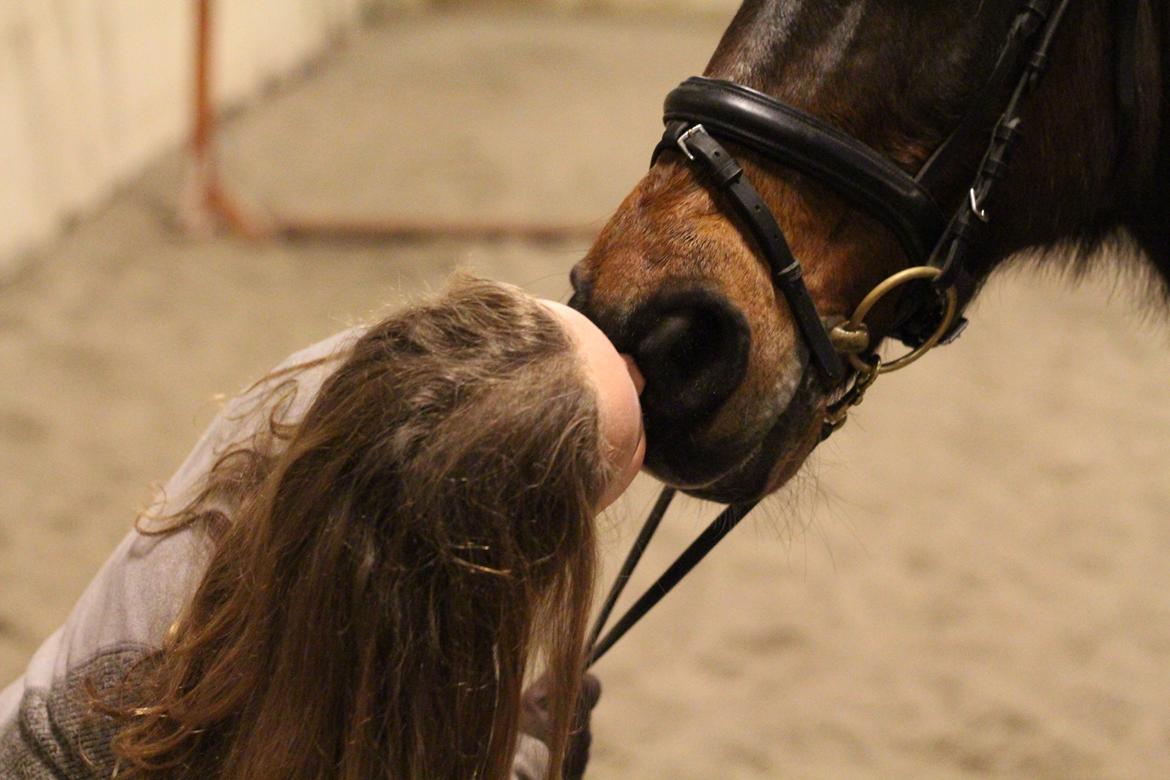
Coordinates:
column 388, row 568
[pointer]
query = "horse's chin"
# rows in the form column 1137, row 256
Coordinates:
column 744, row 471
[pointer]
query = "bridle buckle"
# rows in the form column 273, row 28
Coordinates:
column 977, row 206
column 682, row 140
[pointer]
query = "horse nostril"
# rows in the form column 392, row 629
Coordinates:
column 693, row 351
column 582, row 287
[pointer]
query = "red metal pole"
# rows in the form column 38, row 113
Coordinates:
column 210, row 201
column 375, row 229
column 201, row 138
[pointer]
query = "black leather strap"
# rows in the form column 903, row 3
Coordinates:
column 986, row 107
column 728, row 519
column 1036, row 24
column 631, row 562
column 787, row 135
column 725, row 172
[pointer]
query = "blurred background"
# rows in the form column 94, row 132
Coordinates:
column 967, row 581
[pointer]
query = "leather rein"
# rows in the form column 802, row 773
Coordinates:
column 701, row 112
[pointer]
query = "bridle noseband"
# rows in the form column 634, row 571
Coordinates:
column 936, row 242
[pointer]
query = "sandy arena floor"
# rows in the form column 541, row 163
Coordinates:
column 969, row 581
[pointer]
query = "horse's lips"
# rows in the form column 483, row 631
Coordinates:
column 761, row 467
column 663, row 462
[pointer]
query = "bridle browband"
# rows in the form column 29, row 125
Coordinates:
column 937, row 245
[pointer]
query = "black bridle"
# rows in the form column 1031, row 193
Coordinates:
column 937, row 243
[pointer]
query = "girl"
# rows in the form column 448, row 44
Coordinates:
column 354, row 570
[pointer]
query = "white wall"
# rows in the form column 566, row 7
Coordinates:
column 91, row 89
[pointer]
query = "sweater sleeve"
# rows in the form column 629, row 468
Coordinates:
column 57, row 733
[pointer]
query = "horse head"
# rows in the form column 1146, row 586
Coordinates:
column 732, row 403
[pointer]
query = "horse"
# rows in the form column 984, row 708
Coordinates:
column 735, row 399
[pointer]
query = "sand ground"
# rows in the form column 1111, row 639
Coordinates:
column 968, row 581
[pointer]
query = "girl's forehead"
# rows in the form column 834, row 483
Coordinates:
column 613, row 376
column 611, row 372
column 587, row 335
column 618, row 384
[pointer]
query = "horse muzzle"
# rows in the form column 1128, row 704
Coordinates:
column 706, row 432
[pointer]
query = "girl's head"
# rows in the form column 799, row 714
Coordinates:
column 617, row 383
column 396, row 560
